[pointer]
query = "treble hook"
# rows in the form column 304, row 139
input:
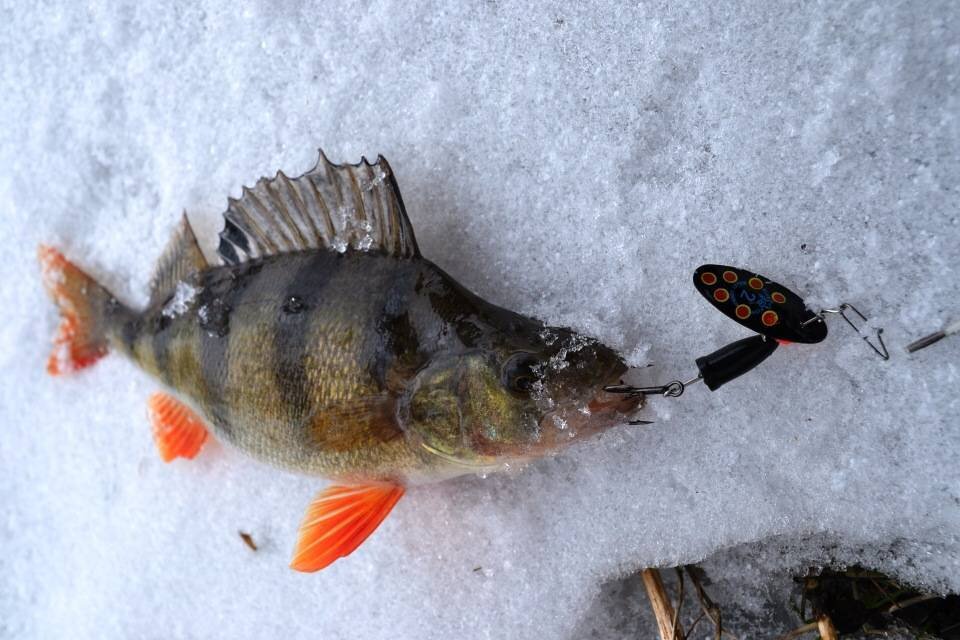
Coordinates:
column 841, row 311
column 673, row 389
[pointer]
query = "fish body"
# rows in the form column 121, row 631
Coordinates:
column 326, row 344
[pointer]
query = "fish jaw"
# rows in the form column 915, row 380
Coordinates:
column 565, row 424
column 574, row 422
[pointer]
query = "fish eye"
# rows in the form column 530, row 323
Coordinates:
column 519, row 372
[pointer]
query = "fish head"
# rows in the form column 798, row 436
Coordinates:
column 515, row 400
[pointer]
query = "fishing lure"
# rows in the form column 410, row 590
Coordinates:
column 773, row 312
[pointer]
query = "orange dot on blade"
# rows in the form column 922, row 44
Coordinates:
column 778, row 297
column 769, row 318
column 721, row 295
column 755, row 283
column 729, row 276
column 708, row 278
column 742, row 311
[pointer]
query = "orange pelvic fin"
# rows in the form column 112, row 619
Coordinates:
column 177, row 430
column 80, row 340
column 338, row 521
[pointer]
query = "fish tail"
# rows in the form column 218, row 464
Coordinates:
column 87, row 311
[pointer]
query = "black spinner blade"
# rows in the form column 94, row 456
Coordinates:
column 759, row 304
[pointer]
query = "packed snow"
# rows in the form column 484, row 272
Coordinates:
column 574, row 163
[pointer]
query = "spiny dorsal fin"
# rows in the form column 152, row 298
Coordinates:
column 180, row 259
column 332, row 206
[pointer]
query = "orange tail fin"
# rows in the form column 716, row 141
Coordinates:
column 83, row 303
column 339, row 520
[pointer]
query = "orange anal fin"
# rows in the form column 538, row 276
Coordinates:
column 338, row 521
column 177, row 430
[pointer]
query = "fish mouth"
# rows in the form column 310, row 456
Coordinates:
column 577, row 421
column 606, row 402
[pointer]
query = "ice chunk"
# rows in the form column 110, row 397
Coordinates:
column 183, row 296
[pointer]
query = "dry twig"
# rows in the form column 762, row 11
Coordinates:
column 799, row 631
column 709, row 608
column 676, row 614
column 248, row 540
column 826, row 628
column 909, row 602
column 662, row 609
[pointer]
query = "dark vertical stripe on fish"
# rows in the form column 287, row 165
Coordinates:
column 129, row 333
column 220, row 289
column 293, row 330
column 159, row 327
column 395, row 337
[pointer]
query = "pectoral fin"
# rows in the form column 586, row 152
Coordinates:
column 339, row 520
column 177, row 430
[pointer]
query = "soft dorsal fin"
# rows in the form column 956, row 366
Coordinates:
column 180, row 259
column 332, row 206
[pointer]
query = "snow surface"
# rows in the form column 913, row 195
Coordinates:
column 573, row 163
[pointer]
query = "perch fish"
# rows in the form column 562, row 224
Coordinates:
column 323, row 342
